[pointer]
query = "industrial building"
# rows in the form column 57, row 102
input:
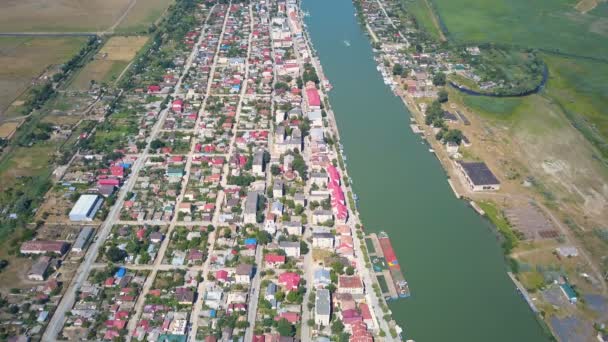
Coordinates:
column 86, row 207
column 82, row 239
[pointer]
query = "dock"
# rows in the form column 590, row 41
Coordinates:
column 453, row 188
column 380, row 268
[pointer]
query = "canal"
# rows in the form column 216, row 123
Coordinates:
column 450, row 256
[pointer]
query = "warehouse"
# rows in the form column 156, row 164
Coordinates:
column 478, row 176
column 85, row 208
column 82, row 239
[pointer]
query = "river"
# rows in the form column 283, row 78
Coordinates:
column 450, row 256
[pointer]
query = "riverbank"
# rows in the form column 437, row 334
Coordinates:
column 381, row 311
column 402, row 191
column 510, row 146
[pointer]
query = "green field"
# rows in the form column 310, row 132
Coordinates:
column 24, row 59
column 142, row 15
column 545, row 24
column 424, row 17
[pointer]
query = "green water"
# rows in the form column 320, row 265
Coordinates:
column 451, row 257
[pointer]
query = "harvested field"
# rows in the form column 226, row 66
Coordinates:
column 24, row 59
column 60, row 15
column 111, row 60
column 8, row 128
column 142, row 15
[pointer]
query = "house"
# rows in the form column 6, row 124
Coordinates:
column 244, row 272
column 321, row 278
column 322, row 307
column 451, row 147
column 323, row 240
column 44, row 246
column 259, row 163
column 315, row 117
column 274, row 260
column 38, row 270
column 319, row 178
column 236, row 297
column 350, row 284
column 251, row 208
column 291, row 317
column 478, row 176
column 291, row 249
column 320, row 216
column 359, row 333
column 289, row 280
column 184, row 295
column 271, row 289
column 293, row 227
column 278, row 189
column 569, row 292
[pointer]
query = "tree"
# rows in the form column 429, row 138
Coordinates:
column 453, row 135
column 439, row 79
column 350, row 270
column 115, row 254
column 397, row 69
column 337, row 327
column 156, row 144
column 442, row 96
column 263, row 237
column 275, row 170
column 303, row 248
column 285, row 328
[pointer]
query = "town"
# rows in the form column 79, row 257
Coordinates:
column 222, row 211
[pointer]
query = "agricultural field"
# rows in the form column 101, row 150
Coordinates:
column 25, row 59
column 109, row 62
column 60, row 15
column 548, row 24
column 142, row 15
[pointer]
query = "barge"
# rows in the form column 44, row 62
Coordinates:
column 401, row 285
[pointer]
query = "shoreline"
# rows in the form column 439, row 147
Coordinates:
column 354, row 213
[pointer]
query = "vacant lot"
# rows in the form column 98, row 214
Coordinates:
column 23, row 59
column 548, row 24
column 142, row 15
column 111, row 60
column 60, row 15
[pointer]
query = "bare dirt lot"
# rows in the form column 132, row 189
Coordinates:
column 24, row 59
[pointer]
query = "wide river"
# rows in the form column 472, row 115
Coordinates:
column 450, row 256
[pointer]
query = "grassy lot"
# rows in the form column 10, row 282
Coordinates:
column 26, row 161
column 23, row 59
column 60, row 15
column 142, row 15
column 581, row 89
column 111, row 60
column 495, row 216
column 547, row 24
column 424, row 16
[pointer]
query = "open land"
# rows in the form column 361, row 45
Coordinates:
column 109, row 62
column 143, row 15
column 528, row 24
column 60, row 16
column 23, row 60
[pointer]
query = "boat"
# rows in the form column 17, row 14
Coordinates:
column 347, row 43
column 403, row 289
